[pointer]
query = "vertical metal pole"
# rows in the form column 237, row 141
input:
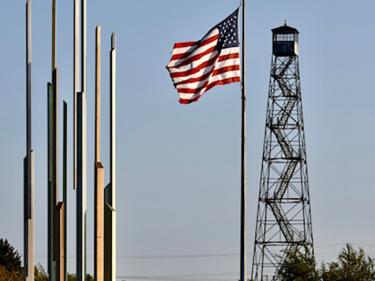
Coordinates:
column 80, row 213
column 82, row 157
column 28, row 162
column 110, row 190
column 75, row 86
column 113, row 153
column 97, row 92
column 98, row 171
column 50, row 177
column 52, row 153
column 55, row 82
column 65, row 183
column 99, row 223
column 53, row 52
column 28, row 75
column 243, row 246
column 59, row 241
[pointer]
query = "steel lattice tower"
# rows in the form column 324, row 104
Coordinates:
column 283, row 216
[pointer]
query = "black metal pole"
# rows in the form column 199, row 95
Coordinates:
column 65, row 176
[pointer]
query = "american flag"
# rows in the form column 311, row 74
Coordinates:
column 198, row 66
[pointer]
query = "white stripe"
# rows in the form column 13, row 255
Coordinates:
column 228, row 51
column 205, row 58
column 206, row 70
column 212, row 79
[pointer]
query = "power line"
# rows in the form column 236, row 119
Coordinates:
column 184, row 277
column 213, row 255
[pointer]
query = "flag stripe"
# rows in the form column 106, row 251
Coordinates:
column 185, row 52
column 199, row 86
column 193, row 58
column 195, row 69
column 193, row 85
column 185, row 44
column 204, row 75
column 224, row 60
column 203, row 62
column 194, row 98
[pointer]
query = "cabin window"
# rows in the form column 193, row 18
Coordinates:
column 285, row 37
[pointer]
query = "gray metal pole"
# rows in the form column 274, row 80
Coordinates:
column 243, row 244
column 98, row 42
column 53, row 51
column 82, row 156
column 75, row 86
column 28, row 162
column 113, row 155
column 110, row 236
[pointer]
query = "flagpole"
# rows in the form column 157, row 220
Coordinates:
column 243, row 246
column 28, row 195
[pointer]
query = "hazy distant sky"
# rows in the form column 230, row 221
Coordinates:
column 179, row 166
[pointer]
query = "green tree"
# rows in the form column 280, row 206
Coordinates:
column 9, row 257
column 352, row 265
column 298, row 266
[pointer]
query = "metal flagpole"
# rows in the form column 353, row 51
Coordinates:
column 52, row 96
column 28, row 163
column 98, row 171
column 110, row 237
column 243, row 246
column 81, row 157
column 113, row 154
column 75, row 86
column 65, row 183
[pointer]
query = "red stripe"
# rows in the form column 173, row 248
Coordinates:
column 193, row 80
column 192, row 90
column 196, row 69
column 215, row 72
column 223, row 82
column 197, row 57
column 201, row 44
column 226, row 69
column 229, row 56
column 207, row 86
column 184, row 44
column 187, row 101
column 205, row 64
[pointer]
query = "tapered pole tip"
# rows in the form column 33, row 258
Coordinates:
column 113, row 40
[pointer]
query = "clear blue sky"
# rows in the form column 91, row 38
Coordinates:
column 178, row 166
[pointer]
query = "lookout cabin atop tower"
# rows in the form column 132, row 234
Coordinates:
column 285, row 41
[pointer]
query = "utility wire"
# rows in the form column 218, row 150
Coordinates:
column 193, row 256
